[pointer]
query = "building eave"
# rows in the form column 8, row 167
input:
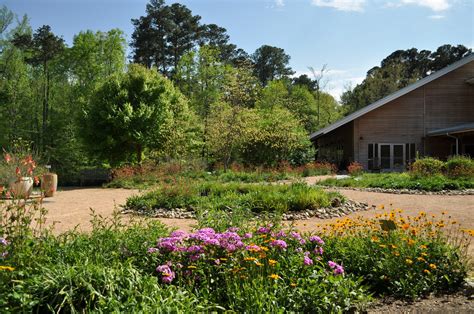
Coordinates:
column 393, row 96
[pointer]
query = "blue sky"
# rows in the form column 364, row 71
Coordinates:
column 350, row 36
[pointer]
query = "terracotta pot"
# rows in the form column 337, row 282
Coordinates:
column 21, row 187
column 49, row 184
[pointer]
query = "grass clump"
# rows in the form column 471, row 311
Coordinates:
column 401, row 256
column 252, row 197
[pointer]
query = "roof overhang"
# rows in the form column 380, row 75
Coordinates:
column 462, row 128
column 470, row 81
column 393, row 96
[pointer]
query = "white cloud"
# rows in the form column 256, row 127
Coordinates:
column 436, row 17
column 435, row 5
column 341, row 5
column 280, row 3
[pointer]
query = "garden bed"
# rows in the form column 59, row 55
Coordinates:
column 254, row 198
column 404, row 191
column 405, row 183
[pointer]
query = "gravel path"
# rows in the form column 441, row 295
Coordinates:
column 71, row 207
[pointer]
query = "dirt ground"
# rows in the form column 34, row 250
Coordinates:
column 72, row 207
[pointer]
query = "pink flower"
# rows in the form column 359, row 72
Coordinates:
column 8, row 158
column 339, row 270
column 307, row 261
column 167, row 275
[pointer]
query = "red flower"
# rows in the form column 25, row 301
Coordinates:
column 36, row 179
column 17, row 171
column 30, row 171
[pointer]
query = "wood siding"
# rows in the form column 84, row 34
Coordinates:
column 445, row 102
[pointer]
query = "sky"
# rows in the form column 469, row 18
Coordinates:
column 348, row 36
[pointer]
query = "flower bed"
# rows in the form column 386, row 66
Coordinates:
column 265, row 270
column 401, row 256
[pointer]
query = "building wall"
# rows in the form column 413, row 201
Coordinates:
column 445, row 102
column 341, row 137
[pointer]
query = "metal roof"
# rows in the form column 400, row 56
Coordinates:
column 393, row 96
column 452, row 130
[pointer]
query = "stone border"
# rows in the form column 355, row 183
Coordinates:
column 400, row 191
column 339, row 210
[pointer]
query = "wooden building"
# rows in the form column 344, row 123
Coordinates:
column 431, row 117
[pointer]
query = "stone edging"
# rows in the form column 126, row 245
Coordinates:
column 341, row 210
column 401, row 191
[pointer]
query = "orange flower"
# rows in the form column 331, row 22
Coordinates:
column 405, row 226
column 432, row 266
column 272, row 262
column 426, row 271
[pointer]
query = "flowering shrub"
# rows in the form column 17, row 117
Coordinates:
column 355, row 168
column 398, row 255
column 272, row 266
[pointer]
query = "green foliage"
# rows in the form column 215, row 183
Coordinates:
column 428, row 166
column 251, row 197
column 460, row 167
column 275, row 136
column 271, row 63
column 135, row 111
column 413, row 259
column 403, row 181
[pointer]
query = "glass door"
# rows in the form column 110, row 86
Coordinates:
column 392, row 157
column 385, row 153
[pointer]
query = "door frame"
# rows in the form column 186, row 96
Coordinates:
column 391, row 145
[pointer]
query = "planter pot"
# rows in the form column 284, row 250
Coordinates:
column 49, row 184
column 21, row 187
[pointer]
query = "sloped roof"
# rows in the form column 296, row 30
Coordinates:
column 393, row 96
column 452, row 130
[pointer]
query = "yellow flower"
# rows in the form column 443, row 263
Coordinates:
column 9, row 268
column 192, row 267
column 272, row 262
column 249, row 259
column 293, row 285
column 408, row 261
column 426, row 271
column 382, row 246
column 432, row 266
column 411, row 242
column 258, row 264
column 396, row 253
column 424, row 254
column 374, row 239
column 223, row 259
column 423, row 246
column 421, row 259
column 393, row 246
column 274, row 276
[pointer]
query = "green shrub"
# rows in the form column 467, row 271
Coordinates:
column 459, row 167
column 427, row 166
